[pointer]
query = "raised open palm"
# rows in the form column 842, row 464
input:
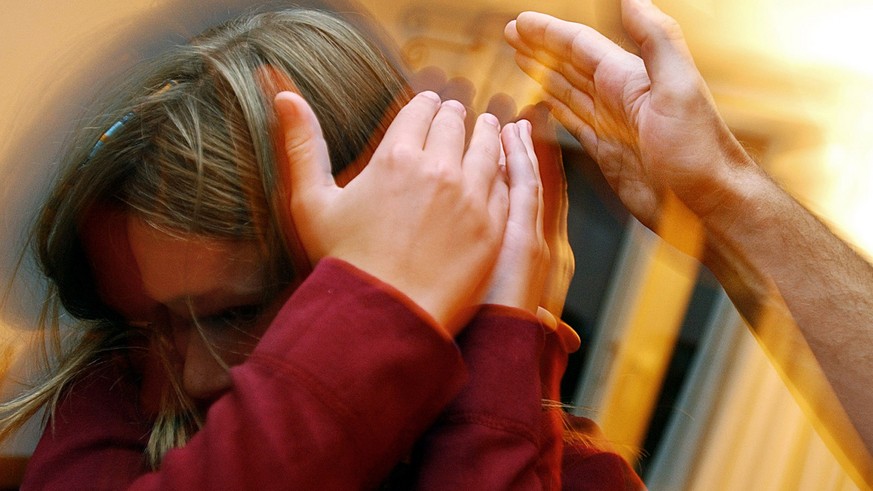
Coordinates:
column 649, row 121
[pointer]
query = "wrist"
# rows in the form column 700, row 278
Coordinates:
column 747, row 199
column 519, row 302
column 743, row 234
column 394, row 285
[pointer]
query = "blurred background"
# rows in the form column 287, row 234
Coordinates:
column 668, row 368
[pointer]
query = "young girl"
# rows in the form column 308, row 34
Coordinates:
column 277, row 288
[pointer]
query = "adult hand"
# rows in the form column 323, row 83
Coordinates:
column 424, row 216
column 649, row 122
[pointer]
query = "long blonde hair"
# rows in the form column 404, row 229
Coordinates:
column 196, row 155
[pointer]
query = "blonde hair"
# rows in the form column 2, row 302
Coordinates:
column 197, row 156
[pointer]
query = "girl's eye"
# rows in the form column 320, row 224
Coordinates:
column 241, row 316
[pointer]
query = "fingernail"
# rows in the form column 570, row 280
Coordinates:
column 430, row 95
column 525, row 126
column 490, row 119
column 455, row 105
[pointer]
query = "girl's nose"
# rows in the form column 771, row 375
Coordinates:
column 204, row 377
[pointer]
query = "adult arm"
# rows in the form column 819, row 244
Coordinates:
column 651, row 124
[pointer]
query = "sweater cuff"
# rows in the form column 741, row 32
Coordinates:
column 501, row 347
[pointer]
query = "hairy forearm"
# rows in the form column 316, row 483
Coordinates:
column 775, row 257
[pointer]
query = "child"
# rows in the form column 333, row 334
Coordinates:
column 279, row 289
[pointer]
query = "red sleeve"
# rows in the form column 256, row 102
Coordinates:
column 489, row 436
column 498, row 435
column 589, row 467
column 95, row 439
column 346, row 378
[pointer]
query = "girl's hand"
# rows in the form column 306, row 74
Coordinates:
column 536, row 263
column 562, row 263
column 521, row 267
column 424, row 216
column 556, row 203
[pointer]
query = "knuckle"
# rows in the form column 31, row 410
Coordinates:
column 401, row 153
column 443, row 175
column 531, row 187
column 670, row 28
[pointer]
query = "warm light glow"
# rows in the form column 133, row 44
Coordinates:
column 834, row 39
column 829, row 33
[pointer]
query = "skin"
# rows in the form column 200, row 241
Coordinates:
column 651, row 124
column 197, row 278
column 473, row 228
column 454, row 204
column 555, row 202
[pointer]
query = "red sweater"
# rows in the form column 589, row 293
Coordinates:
column 348, row 384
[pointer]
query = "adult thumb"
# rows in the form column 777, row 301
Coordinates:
column 308, row 164
column 662, row 44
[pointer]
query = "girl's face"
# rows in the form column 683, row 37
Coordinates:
column 210, row 294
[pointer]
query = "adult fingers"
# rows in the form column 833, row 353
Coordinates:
column 555, row 84
column 579, row 128
column 662, row 45
column 430, row 78
column 460, row 89
column 576, row 102
column 463, row 90
column 510, row 33
column 584, row 46
column 541, row 63
column 308, row 163
column 503, row 106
